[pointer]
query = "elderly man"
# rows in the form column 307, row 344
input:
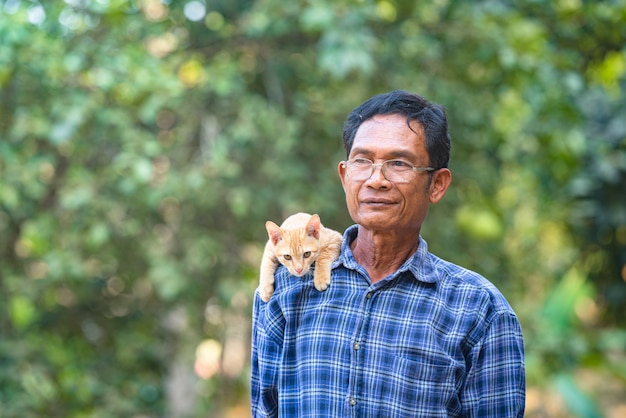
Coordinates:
column 399, row 332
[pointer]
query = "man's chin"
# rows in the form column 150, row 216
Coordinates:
column 376, row 219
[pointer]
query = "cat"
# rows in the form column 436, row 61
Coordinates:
column 296, row 244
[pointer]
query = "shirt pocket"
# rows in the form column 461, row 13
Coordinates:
column 419, row 387
column 422, row 372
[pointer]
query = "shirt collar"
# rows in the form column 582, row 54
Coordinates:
column 419, row 264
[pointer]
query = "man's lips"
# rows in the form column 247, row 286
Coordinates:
column 377, row 201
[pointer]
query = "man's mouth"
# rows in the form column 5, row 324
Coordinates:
column 378, row 201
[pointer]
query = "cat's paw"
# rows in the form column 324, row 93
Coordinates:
column 321, row 281
column 266, row 293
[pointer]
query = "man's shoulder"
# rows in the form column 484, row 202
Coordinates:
column 468, row 284
column 447, row 270
column 284, row 281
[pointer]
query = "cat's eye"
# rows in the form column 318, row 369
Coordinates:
column 287, row 257
column 307, row 254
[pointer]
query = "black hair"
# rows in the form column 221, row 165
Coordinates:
column 431, row 116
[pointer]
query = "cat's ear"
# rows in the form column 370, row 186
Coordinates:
column 313, row 227
column 274, row 232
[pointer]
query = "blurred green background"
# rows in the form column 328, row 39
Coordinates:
column 144, row 143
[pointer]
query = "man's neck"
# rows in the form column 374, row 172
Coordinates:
column 382, row 253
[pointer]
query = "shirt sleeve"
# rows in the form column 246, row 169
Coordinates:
column 496, row 382
column 265, row 365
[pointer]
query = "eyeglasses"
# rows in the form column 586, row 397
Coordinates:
column 396, row 171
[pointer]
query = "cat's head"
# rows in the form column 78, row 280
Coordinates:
column 296, row 248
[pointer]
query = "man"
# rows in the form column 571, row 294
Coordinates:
column 399, row 332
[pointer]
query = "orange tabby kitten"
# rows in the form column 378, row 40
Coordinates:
column 296, row 244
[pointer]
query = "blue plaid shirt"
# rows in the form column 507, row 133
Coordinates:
column 432, row 340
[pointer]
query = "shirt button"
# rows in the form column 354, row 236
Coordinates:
column 369, row 295
column 352, row 401
column 356, row 346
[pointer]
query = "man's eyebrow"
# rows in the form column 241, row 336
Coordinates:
column 360, row 151
column 392, row 154
column 402, row 154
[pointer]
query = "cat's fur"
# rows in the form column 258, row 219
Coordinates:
column 296, row 244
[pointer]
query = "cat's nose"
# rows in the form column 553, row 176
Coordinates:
column 299, row 270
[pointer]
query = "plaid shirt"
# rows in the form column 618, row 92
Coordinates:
column 432, row 340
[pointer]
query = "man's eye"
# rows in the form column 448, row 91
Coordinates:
column 399, row 164
column 361, row 161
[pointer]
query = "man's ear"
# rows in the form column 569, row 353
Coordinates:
column 439, row 184
column 341, row 169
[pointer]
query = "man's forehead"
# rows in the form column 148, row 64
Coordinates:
column 394, row 121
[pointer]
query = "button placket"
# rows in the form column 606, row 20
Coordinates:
column 357, row 358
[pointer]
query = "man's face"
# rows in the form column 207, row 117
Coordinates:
column 377, row 203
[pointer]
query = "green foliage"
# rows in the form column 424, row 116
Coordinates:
column 144, row 144
column 578, row 400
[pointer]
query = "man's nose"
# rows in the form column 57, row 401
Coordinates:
column 377, row 172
